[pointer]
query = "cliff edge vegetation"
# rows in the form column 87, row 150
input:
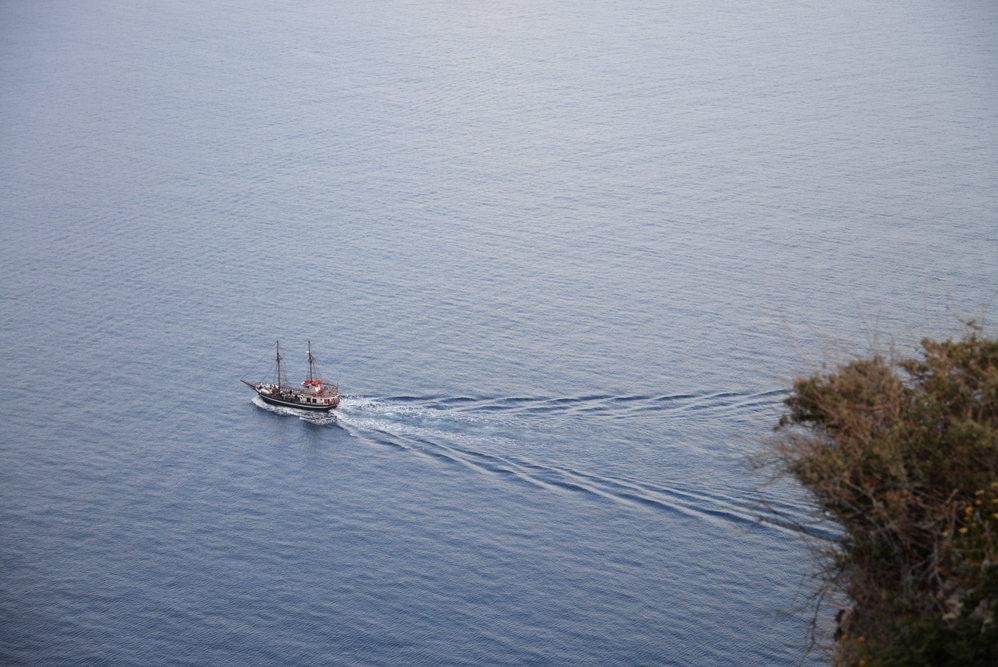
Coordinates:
column 902, row 454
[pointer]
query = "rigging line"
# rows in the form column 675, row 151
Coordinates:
column 254, row 366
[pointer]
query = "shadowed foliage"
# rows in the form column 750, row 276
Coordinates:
column 902, row 454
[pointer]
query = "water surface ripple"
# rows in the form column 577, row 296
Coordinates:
column 561, row 258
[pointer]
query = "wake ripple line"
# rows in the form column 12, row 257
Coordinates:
column 709, row 507
column 595, row 402
column 556, row 478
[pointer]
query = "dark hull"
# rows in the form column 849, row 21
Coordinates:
column 298, row 406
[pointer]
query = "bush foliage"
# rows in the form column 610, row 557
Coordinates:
column 903, row 455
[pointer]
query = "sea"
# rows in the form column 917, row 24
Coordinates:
column 562, row 259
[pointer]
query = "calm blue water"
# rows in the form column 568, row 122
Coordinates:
column 558, row 256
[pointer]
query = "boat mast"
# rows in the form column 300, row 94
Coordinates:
column 279, row 383
column 310, row 360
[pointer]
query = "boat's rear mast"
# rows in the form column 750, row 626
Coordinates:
column 311, row 360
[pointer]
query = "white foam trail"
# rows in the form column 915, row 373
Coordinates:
column 481, row 442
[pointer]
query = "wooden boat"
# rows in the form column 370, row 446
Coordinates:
column 313, row 394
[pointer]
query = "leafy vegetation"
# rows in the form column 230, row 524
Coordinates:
column 903, row 455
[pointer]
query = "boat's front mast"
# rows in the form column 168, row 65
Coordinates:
column 279, row 383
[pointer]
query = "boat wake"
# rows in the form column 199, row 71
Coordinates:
column 533, row 441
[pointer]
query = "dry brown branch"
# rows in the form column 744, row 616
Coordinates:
column 897, row 452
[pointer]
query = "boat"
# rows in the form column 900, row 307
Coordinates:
column 312, row 394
